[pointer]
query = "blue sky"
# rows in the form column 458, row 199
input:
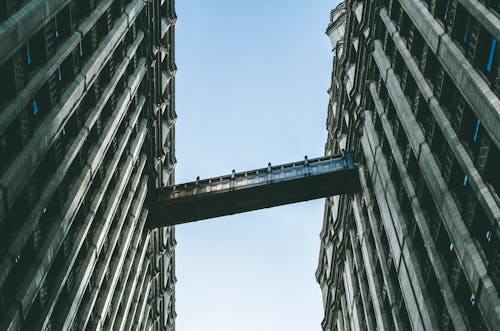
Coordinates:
column 251, row 88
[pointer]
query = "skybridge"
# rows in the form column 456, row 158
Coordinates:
column 255, row 189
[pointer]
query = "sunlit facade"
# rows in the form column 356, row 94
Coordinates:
column 415, row 95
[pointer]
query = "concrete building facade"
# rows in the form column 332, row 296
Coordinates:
column 87, row 118
column 415, row 94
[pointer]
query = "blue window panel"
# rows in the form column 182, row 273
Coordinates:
column 81, row 48
column 447, row 10
column 28, row 54
column 467, row 27
column 465, row 181
column 56, row 28
column 35, row 107
column 492, row 54
column 476, row 130
column 59, row 75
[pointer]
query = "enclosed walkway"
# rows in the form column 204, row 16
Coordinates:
column 255, row 189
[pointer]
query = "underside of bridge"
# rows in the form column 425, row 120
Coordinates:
column 256, row 189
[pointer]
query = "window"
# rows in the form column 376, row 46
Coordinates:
column 33, row 314
column 470, row 129
column 7, row 82
column 492, row 175
column 10, row 143
column 28, row 54
column 487, row 55
column 467, row 300
column 405, row 27
column 443, row 10
column 492, row 54
column 8, row 8
column 395, row 10
column 462, row 27
column 483, row 232
column 495, row 6
column 432, row 68
column 35, row 107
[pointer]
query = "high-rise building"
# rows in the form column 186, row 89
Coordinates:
column 415, row 94
column 87, row 117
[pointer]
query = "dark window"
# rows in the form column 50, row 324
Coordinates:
column 495, row 6
column 439, row 145
column 22, row 261
column 430, row 210
column 448, row 95
column 33, row 315
column 445, row 248
column 7, row 87
column 467, row 299
column 55, row 268
column 389, row 47
column 395, row 10
column 36, row 48
column 470, row 130
column 117, row 8
column 10, row 143
column 399, row 66
column 85, row 6
column 63, row 24
column 487, row 55
column 380, row 30
column 443, row 10
column 405, row 27
column 28, row 61
column 492, row 175
column 462, row 26
column 413, row 169
column 432, row 68
column 483, row 232
column 102, row 27
column 66, row 71
column 86, row 46
column 411, row 89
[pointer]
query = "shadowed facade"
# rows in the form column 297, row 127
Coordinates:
column 87, row 117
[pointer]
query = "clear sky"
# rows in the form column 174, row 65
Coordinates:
column 251, row 89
